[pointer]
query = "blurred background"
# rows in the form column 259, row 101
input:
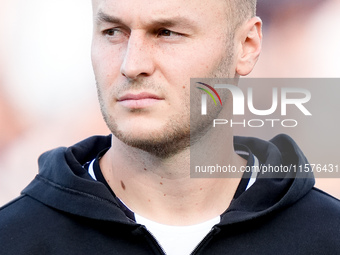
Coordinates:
column 47, row 88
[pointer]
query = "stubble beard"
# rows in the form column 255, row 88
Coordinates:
column 175, row 135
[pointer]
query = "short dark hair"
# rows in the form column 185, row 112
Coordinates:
column 241, row 10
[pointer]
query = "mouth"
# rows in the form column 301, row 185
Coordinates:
column 139, row 101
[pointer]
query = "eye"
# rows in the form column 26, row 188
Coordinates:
column 114, row 35
column 111, row 32
column 167, row 33
column 164, row 32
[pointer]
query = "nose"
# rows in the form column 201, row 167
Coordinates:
column 138, row 58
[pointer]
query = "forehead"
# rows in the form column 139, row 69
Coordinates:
column 141, row 11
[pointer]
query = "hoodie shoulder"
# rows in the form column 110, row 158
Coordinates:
column 317, row 215
column 323, row 200
column 23, row 215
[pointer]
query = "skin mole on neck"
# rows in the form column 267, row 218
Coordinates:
column 123, row 185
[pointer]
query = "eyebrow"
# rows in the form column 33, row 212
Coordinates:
column 166, row 22
column 103, row 17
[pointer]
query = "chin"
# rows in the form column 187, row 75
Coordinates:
column 162, row 143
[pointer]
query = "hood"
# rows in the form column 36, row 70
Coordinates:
column 271, row 192
column 63, row 184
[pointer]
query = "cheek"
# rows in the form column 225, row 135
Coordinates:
column 182, row 104
column 95, row 55
column 198, row 61
column 106, row 62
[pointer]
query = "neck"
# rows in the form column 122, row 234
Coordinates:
column 162, row 190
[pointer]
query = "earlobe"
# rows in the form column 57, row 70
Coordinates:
column 250, row 46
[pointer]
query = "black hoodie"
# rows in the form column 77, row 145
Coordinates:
column 64, row 211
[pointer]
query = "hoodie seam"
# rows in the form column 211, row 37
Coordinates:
column 72, row 191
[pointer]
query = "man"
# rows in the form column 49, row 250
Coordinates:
column 131, row 192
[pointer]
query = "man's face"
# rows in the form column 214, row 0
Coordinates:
column 144, row 53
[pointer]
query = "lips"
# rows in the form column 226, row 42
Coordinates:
column 139, row 101
column 139, row 96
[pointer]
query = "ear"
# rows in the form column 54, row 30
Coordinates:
column 249, row 42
